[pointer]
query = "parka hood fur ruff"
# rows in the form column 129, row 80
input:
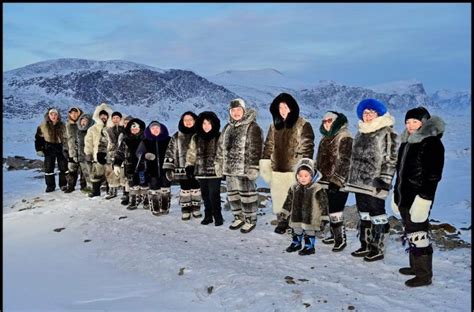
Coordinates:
column 249, row 116
column 98, row 109
column 386, row 120
column 432, row 127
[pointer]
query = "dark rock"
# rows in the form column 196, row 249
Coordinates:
column 59, row 229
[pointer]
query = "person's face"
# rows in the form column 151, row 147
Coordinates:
column 155, row 130
column 304, row 177
column 188, row 121
column 134, row 130
column 104, row 118
column 327, row 123
column 237, row 113
column 116, row 120
column 206, row 125
column 53, row 117
column 84, row 122
column 284, row 110
column 412, row 125
column 125, row 122
column 74, row 115
column 368, row 115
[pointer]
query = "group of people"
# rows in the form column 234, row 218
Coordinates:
column 306, row 193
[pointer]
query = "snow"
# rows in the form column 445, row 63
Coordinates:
column 395, row 87
column 148, row 263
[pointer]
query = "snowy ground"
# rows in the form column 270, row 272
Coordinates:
column 148, row 263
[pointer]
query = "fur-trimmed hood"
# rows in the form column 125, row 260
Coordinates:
column 184, row 129
column 250, row 115
column 292, row 116
column 69, row 120
column 98, row 109
column 338, row 124
column 432, row 127
column 140, row 122
column 46, row 117
column 164, row 134
column 377, row 123
column 215, row 122
column 89, row 124
column 308, row 164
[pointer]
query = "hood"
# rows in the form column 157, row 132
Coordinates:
column 216, row 125
column 181, row 126
column 432, row 127
column 129, row 125
column 164, row 134
column 338, row 124
column 377, row 123
column 250, row 115
column 308, row 164
column 108, row 109
column 46, row 115
column 69, row 117
column 290, row 121
column 89, row 124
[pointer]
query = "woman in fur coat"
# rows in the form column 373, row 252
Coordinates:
column 74, row 170
column 304, row 204
column 373, row 161
column 153, row 148
column 51, row 143
column 135, row 164
column 238, row 154
column 200, row 160
column 290, row 138
column 84, row 122
column 419, row 169
column 174, row 166
column 333, row 161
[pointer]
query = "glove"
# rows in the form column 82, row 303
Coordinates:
column 189, row 172
column 265, row 169
column 88, row 158
column 420, row 209
column 102, row 158
column 218, row 169
column 150, row 156
column 252, row 174
column 380, row 184
column 394, row 206
column 40, row 153
column 170, row 175
column 333, row 188
column 117, row 170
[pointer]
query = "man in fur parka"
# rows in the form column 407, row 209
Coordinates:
column 175, row 164
column 102, row 119
column 373, row 161
column 84, row 122
column 200, row 159
column 333, row 161
column 153, row 149
column 107, row 148
column 73, row 167
column 238, row 155
column 290, row 138
column 419, row 169
column 51, row 143
column 305, row 202
column 134, row 164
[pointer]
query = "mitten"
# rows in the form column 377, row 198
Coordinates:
column 218, row 169
column 252, row 174
column 40, row 153
column 117, row 170
column 380, row 184
column 150, row 156
column 189, row 172
column 102, row 158
column 333, row 188
column 420, row 209
column 394, row 206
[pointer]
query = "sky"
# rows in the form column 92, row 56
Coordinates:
column 357, row 44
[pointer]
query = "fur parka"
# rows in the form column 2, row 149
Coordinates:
column 203, row 147
column 94, row 134
column 374, row 155
column 304, row 204
column 81, row 134
column 420, row 163
column 71, row 131
column 109, row 141
column 240, row 145
column 156, row 145
column 288, row 140
column 51, row 138
column 175, row 158
column 334, row 152
column 128, row 148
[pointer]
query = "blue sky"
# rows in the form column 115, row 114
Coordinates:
column 357, row 44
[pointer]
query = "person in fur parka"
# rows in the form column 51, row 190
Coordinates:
column 333, row 161
column 135, row 164
column 74, row 170
column 175, row 163
column 84, row 122
column 102, row 118
column 373, row 161
column 304, row 205
column 51, row 143
column 290, row 138
column 419, row 169
column 200, row 159
column 153, row 149
column 238, row 155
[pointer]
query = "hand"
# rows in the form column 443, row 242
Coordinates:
column 102, row 158
column 252, row 174
column 40, row 153
column 420, row 209
column 170, row 174
column 265, row 166
column 189, row 172
column 394, row 206
column 150, row 156
column 333, row 188
column 117, row 170
column 380, row 184
column 218, row 169
column 74, row 159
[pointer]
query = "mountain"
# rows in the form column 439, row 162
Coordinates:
column 449, row 99
column 128, row 86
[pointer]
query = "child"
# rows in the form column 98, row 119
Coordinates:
column 303, row 206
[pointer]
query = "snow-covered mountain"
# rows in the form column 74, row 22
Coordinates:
column 30, row 90
column 448, row 99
